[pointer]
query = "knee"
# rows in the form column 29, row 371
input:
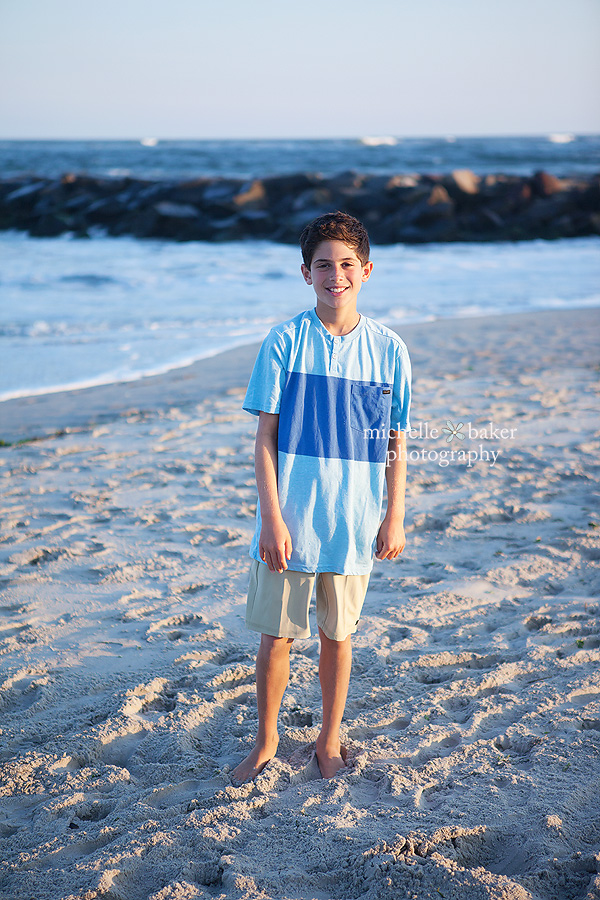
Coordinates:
column 333, row 646
column 275, row 645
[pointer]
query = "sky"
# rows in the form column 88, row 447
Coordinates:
column 320, row 68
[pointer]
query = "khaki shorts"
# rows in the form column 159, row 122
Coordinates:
column 278, row 602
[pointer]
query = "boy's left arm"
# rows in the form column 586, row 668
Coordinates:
column 390, row 537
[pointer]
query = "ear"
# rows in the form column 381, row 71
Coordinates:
column 366, row 272
column 306, row 272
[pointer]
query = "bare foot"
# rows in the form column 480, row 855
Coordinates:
column 253, row 765
column 330, row 763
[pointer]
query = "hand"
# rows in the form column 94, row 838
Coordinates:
column 275, row 545
column 391, row 539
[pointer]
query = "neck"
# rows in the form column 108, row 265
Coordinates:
column 338, row 322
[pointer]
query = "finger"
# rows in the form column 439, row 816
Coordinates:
column 270, row 562
column 279, row 558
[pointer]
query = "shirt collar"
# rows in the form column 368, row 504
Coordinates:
column 342, row 337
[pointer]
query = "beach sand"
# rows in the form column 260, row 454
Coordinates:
column 473, row 719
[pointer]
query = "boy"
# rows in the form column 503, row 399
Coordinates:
column 331, row 389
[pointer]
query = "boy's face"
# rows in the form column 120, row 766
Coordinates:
column 337, row 275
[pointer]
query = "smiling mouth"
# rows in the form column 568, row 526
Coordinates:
column 337, row 290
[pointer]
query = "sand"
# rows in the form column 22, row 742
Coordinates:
column 126, row 671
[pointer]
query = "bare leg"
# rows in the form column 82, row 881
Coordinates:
column 334, row 673
column 272, row 674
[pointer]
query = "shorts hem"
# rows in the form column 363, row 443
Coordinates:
column 269, row 629
column 340, row 640
column 331, row 638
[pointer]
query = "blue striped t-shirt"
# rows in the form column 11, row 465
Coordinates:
column 337, row 398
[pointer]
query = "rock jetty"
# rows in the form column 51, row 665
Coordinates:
column 459, row 206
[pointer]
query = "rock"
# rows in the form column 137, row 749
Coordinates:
column 103, row 210
column 508, row 196
column 26, row 192
column 316, row 198
column 345, row 181
column 190, row 191
column 252, row 195
column 594, row 223
column 545, row 184
column 589, row 195
column 404, row 200
column 49, row 225
column 543, row 210
column 439, row 194
column 289, row 229
column 284, row 187
column 466, row 181
column 256, row 223
column 493, row 218
column 402, row 181
column 143, row 224
column 221, row 192
column 78, row 201
column 409, row 208
column 371, row 196
column 176, row 210
column 226, row 229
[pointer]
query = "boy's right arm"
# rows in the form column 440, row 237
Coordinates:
column 275, row 543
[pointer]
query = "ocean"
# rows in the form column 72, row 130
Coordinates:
column 75, row 312
column 560, row 154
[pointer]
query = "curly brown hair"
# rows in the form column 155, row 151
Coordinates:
column 335, row 226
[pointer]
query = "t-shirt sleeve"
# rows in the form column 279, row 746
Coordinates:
column 268, row 376
column 401, row 393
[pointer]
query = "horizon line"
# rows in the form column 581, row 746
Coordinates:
column 378, row 136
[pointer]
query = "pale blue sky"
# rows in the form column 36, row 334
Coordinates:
column 320, row 68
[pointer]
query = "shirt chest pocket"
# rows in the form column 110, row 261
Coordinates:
column 369, row 407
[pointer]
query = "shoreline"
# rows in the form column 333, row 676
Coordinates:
column 42, row 415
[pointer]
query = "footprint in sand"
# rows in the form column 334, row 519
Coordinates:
column 9, row 609
column 36, row 556
column 151, row 700
column 93, row 810
column 217, row 537
column 178, row 627
column 119, row 750
column 304, row 761
column 21, row 694
column 460, row 709
column 18, row 813
column 72, row 851
column 297, row 718
column 17, row 630
column 175, row 794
